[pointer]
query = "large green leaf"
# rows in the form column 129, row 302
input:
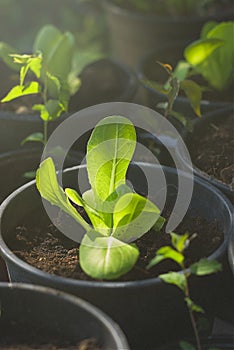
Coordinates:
column 110, row 149
column 19, row 90
column 133, row 216
column 106, row 257
column 200, row 50
column 57, row 50
column 217, row 67
column 47, row 185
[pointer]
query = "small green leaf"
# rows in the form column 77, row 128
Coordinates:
column 35, row 137
column 194, row 307
column 205, row 267
column 30, row 175
column 178, row 279
column 47, row 185
column 106, row 257
column 18, row 91
column 156, row 86
column 194, row 93
column 186, row 346
column 159, row 224
column 133, row 216
column 198, row 51
column 168, row 253
column 179, row 242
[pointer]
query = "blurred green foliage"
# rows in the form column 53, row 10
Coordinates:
column 20, row 20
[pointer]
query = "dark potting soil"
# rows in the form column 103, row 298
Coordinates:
column 46, row 248
column 212, row 150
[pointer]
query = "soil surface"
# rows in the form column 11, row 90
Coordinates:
column 47, row 249
column 212, row 150
column 23, row 337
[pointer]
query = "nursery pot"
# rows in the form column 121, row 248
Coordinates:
column 102, row 81
column 147, row 310
column 198, row 128
column 15, row 164
column 132, row 33
column 27, row 311
column 149, row 69
column 222, row 343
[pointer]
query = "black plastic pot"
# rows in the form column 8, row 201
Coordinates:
column 133, row 34
column 14, row 165
column 102, row 81
column 146, row 310
column 222, row 343
column 59, row 315
column 198, row 127
column 148, row 69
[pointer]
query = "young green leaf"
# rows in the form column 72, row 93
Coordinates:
column 192, row 306
column 178, row 279
column 205, row 267
column 159, row 224
column 18, row 91
column 106, row 257
column 179, row 242
column 167, row 252
column 35, row 137
column 47, row 185
column 109, row 151
column 133, row 216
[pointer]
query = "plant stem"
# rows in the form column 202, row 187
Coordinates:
column 45, row 132
column 191, row 314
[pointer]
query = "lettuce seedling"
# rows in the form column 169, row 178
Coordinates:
column 47, row 71
column 180, row 279
column 118, row 214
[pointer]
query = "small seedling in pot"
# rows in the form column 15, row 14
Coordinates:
column 181, row 279
column 47, row 72
column 118, row 215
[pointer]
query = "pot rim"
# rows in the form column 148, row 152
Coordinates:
column 11, row 257
column 109, row 324
column 118, row 10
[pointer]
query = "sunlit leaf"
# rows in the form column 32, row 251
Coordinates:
column 18, row 91
column 175, row 278
column 106, row 257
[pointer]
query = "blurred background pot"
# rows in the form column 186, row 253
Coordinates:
column 133, row 34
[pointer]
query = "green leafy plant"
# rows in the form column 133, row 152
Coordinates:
column 47, row 72
column 212, row 56
column 172, row 7
column 181, row 279
column 177, row 82
column 117, row 214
